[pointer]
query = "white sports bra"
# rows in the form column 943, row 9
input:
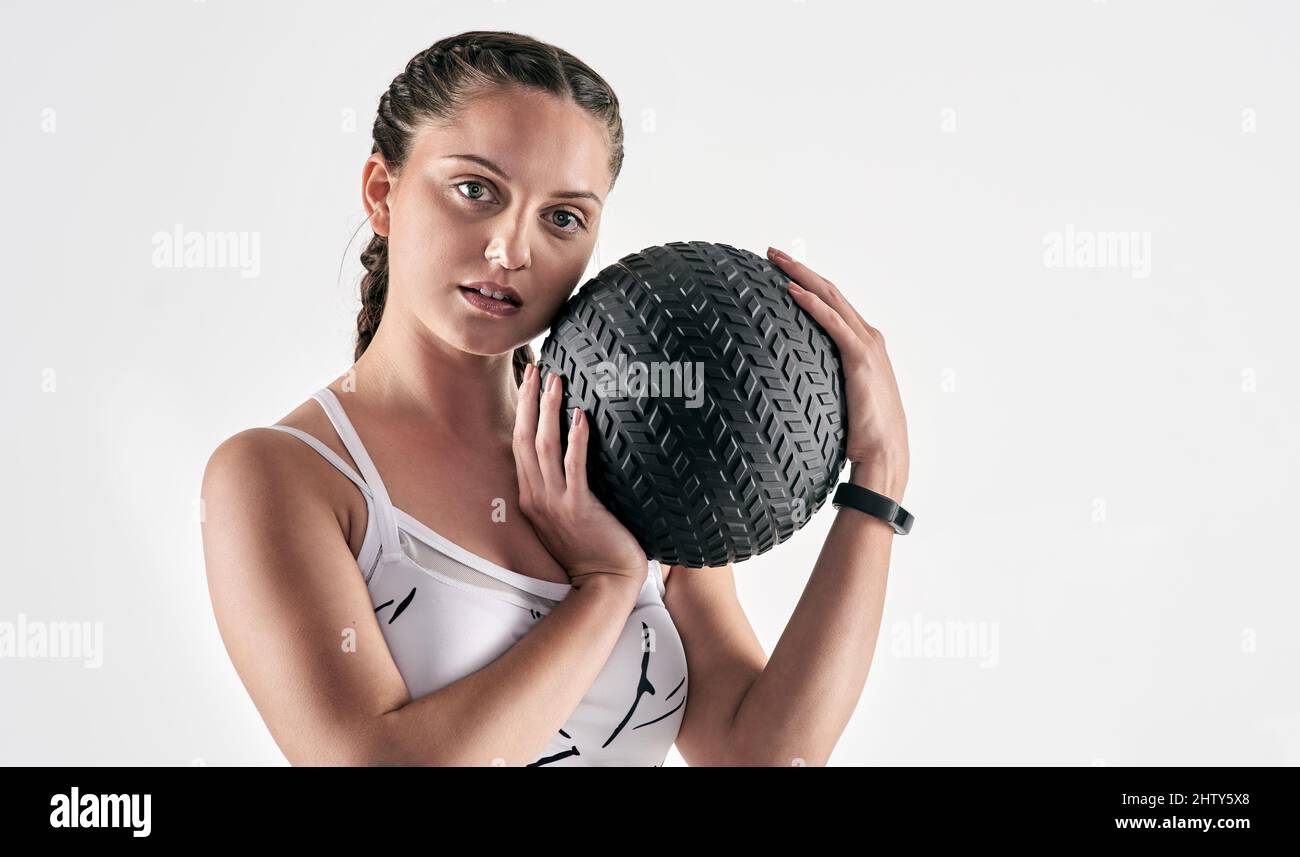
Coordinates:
column 446, row 612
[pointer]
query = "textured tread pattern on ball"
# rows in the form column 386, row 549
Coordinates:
column 718, row 483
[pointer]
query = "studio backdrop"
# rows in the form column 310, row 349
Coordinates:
column 1074, row 222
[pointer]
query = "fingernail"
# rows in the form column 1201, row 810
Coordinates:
column 794, row 287
column 577, row 418
column 773, row 253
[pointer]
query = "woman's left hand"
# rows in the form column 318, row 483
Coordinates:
column 877, row 426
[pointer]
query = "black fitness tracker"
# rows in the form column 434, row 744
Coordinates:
column 876, row 505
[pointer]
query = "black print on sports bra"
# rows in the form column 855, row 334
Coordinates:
column 666, row 698
column 643, row 687
column 572, row 751
column 400, row 607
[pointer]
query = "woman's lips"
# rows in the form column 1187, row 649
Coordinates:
column 491, row 306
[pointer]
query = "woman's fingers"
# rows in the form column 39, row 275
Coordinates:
column 575, row 458
column 824, row 289
column 850, row 343
column 548, row 435
column 524, row 438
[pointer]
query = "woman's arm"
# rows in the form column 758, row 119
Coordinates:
column 797, row 708
column 296, row 618
column 506, row 712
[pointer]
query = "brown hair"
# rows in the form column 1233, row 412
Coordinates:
column 436, row 85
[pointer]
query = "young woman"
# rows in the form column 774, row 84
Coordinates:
column 405, row 570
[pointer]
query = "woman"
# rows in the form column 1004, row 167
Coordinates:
column 501, row 614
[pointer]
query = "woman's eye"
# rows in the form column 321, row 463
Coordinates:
column 476, row 195
column 572, row 217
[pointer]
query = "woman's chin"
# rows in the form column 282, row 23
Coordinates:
column 483, row 346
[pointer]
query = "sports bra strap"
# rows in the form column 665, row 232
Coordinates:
column 328, row 454
column 389, row 544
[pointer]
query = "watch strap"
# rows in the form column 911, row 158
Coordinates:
column 876, row 505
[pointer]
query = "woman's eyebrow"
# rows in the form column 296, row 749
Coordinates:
column 564, row 194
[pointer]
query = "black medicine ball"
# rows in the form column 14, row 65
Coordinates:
column 715, row 403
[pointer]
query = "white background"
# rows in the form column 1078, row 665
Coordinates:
column 1104, row 466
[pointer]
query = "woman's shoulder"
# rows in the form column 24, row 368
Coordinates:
column 257, row 464
column 263, row 459
column 266, row 484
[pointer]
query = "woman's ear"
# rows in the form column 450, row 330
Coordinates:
column 376, row 185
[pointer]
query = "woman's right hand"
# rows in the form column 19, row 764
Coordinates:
column 583, row 536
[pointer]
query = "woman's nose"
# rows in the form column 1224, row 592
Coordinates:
column 509, row 251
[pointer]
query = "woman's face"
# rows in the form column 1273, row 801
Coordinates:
column 524, row 216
